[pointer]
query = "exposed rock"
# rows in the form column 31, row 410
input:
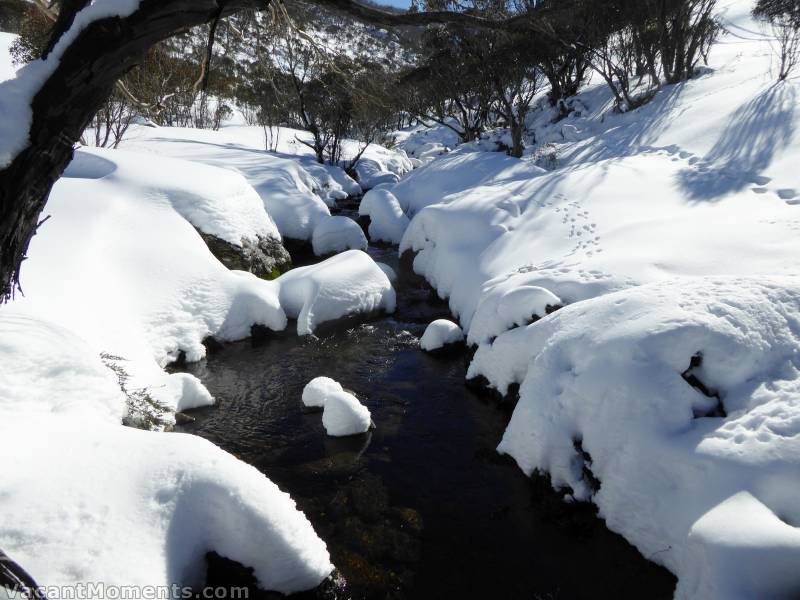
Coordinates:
column 267, row 258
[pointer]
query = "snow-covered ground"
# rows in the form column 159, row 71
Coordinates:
column 297, row 191
column 666, row 390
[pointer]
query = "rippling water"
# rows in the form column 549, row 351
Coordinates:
column 423, row 506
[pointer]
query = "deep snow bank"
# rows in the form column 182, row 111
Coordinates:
column 605, row 391
column 148, row 521
column 590, row 229
column 130, row 507
column 297, row 191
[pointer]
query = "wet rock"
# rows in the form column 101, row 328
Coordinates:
column 266, row 257
column 183, row 418
column 222, row 572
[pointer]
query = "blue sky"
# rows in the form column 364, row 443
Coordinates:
column 397, row 3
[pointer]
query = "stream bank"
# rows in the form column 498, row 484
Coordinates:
column 423, row 506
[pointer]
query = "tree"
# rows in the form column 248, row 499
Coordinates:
column 83, row 75
column 452, row 87
column 784, row 18
column 516, row 79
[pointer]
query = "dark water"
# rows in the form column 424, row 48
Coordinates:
column 423, row 506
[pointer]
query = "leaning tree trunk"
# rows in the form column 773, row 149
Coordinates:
column 66, row 102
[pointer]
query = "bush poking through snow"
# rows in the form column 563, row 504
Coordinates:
column 345, row 415
column 441, row 335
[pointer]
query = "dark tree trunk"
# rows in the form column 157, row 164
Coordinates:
column 68, row 100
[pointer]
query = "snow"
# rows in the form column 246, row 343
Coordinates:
column 344, row 415
column 370, row 173
column 138, row 282
column 388, row 223
column 440, row 333
column 148, row 521
column 607, row 372
column 508, row 304
column 389, row 271
column 318, row 389
column 297, row 192
column 286, row 188
column 347, row 283
column 336, row 234
column 216, row 201
column 70, row 378
column 425, row 142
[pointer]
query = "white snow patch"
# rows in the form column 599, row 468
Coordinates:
column 608, row 372
column 143, row 508
column 439, row 334
column 388, row 223
column 347, row 283
column 318, row 389
column 337, row 234
column 345, row 415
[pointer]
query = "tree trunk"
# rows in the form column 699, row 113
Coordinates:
column 104, row 51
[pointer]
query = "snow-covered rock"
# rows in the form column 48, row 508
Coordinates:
column 390, row 273
column 612, row 375
column 345, row 284
column 216, row 201
column 439, row 334
column 388, row 222
column 337, row 234
column 344, row 415
column 318, row 389
column 370, row 173
column 296, row 190
column 509, row 303
column 142, row 508
column 118, row 263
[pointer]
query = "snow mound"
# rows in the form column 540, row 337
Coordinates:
column 138, row 282
column 345, row 284
column 47, row 369
column 286, row 188
column 585, row 231
column 337, row 234
column 345, row 415
column 148, row 521
column 216, row 201
column 663, row 404
column 318, row 389
column 388, row 223
column 296, row 190
column 371, row 173
column 507, row 304
column 439, row 334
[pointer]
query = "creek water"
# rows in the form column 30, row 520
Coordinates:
column 422, row 506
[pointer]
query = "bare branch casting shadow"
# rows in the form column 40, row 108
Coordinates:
column 755, row 133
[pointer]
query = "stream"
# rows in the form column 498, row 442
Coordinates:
column 423, row 506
